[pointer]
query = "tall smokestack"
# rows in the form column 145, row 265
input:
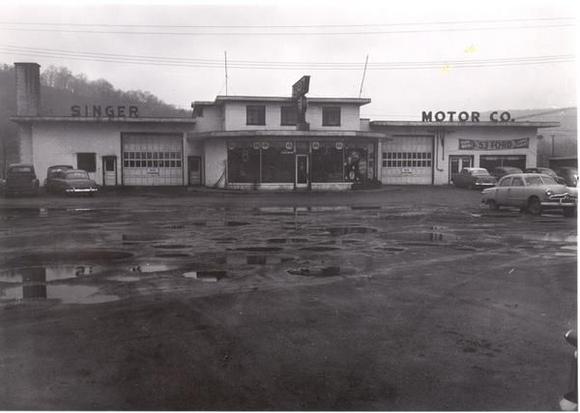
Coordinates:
column 27, row 89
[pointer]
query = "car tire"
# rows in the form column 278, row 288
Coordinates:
column 534, row 206
column 492, row 205
column 569, row 212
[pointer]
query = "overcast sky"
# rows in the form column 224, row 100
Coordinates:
column 423, row 55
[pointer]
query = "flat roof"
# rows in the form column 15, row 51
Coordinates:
column 286, row 134
column 280, row 99
column 81, row 119
column 486, row 124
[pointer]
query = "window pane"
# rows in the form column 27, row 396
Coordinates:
column 255, row 115
column 87, row 161
column 288, row 115
column 327, row 163
column 278, row 166
column 331, row 116
column 243, row 163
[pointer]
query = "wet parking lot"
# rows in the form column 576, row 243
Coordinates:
column 404, row 299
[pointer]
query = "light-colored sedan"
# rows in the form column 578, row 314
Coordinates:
column 532, row 193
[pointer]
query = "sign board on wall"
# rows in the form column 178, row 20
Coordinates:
column 493, row 145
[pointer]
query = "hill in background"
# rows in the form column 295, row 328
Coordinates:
column 60, row 89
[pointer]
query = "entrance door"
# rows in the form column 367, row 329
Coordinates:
column 301, row 171
column 194, row 166
column 109, row 170
column 457, row 163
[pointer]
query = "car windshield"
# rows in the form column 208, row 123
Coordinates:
column 548, row 180
column 21, row 170
column 77, row 175
column 479, row 172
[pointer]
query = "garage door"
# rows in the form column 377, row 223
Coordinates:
column 152, row 159
column 407, row 160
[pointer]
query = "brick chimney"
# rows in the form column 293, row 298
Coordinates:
column 27, row 89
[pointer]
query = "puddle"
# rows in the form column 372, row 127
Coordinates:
column 141, row 237
column 363, row 208
column 259, row 249
column 124, row 278
column 331, row 271
column 565, row 254
column 48, row 273
column 391, row 249
column 208, row 276
column 236, row 223
column 287, row 240
column 149, row 268
column 73, row 256
column 66, row 294
column 320, row 248
column 337, row 231
column 172, row 255
column 171, row 246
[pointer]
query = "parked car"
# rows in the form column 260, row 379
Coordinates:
column 569, row 401
column 532, row 193
column 546, row 171
column 473, row 178
column 52, row 170
column 502, row 171
column 20, row 180
column 72, row 181
column 569, row 174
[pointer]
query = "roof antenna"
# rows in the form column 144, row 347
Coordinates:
column 363, row 77
column 226, row 68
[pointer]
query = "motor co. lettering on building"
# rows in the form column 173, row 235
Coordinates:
column 98, row 111
column 493, row 145
column 463, row 116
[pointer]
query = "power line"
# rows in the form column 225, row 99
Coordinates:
column 269, row 26
column 294, row 33
column 256, row 64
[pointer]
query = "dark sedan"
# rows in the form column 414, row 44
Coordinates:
column 473, row 178
column 52, row 170
column 72, row 181
column 502, row 171
column 20, row 180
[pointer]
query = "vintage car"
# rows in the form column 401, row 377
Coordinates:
column 52, row 170
column 72, row 181
column 569, row 174
column 473, row 178
column 20, row 180
column 546, row 171
column 532, row 193
column 502, row 171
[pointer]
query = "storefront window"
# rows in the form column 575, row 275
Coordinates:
column 278, row 162
column 358, row 162
column 243, row 163
column 327, row 162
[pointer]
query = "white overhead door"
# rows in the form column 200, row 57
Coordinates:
column 151, row 159
column 407, row 160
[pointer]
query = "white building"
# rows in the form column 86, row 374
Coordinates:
column 252, row 142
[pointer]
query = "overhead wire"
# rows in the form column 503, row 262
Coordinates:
column 280, row 65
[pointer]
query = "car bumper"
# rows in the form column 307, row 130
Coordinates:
column 80, row 190
column 484, row 184
column 560, row 201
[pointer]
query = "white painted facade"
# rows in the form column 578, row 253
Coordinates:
column 59, row 142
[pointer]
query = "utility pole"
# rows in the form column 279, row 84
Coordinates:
column 363, row 77
column 226, row 68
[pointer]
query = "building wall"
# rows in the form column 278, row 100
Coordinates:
column 235, row 117
column 449, row 144
column 212, row 119
column 59, row 143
